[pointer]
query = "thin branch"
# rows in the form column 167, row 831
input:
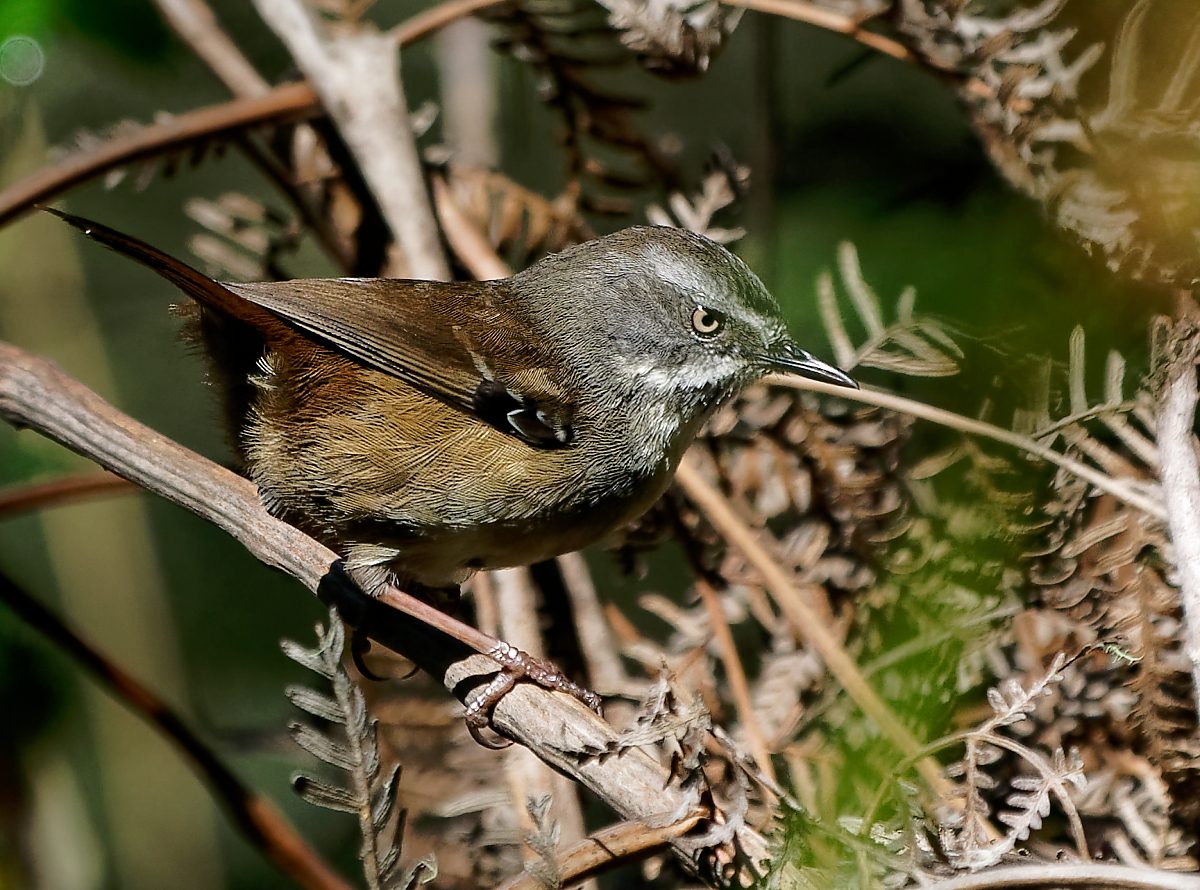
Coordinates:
column 23, row 498
column 1092, row 876
column 284, row 103
column 605, row 849
column 34, row 393
column 802, row 616
column 1180, row 474
column 810, row 13
column 425, row 23
column 735, row 673
column 357, row 75
column 1118, row 488
column 195, row 22
column 259, row 821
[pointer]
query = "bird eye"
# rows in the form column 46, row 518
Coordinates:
column 706, row 322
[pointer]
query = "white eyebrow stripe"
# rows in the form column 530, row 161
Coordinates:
column 686, row 278
column 683, row 275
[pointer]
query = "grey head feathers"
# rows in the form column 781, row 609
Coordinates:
column 631, row 301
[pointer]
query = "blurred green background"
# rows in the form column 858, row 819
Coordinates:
column 844, row 146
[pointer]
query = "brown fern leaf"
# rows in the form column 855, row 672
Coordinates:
column 244, row 240
column 456, row 800
column 570, row 46
column 824, row 475
column 520, row 224
column 1117, row 168
column 1105, row 570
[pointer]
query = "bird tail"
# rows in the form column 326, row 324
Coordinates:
column 206, row 291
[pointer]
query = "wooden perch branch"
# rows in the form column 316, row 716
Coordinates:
column 559, row 730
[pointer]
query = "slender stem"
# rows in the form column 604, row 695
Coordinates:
column 812, row 14
column 606, row 849
column 803, row 617
column 194, row 21
column 255, row 816
column 431, row 20
column 735, row 673
column 18, row 499
column 1118, row 488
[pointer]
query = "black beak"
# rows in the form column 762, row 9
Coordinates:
column 788, row 358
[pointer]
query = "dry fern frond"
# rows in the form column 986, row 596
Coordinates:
column 455, row 797
column 1108, row 567
column 1120, row 174
column 719, row 189
column 570, row 47
column 153, row 161
column 244, row 240
column 673, row 37
column 371, row 792
column 966, row 833
column 914, row 345
column 520, row 224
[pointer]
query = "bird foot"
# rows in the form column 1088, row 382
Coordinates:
column 515, row 666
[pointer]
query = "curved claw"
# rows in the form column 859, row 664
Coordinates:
column 516, row 665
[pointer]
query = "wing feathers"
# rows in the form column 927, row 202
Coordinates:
column 417, row 331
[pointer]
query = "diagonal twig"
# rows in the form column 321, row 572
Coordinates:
column 802, row 616
column 255, row 816
column 735, row 673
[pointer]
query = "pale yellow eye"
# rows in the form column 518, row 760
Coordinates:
column 706, row 322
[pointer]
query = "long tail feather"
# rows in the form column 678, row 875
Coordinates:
column 204, row 290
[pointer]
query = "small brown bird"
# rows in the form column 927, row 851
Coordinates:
column 428, row 429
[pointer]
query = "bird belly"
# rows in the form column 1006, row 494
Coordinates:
column 406, row 484
column 449, row 554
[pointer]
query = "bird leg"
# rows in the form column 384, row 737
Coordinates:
column 516, row 665
column 394, row 627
